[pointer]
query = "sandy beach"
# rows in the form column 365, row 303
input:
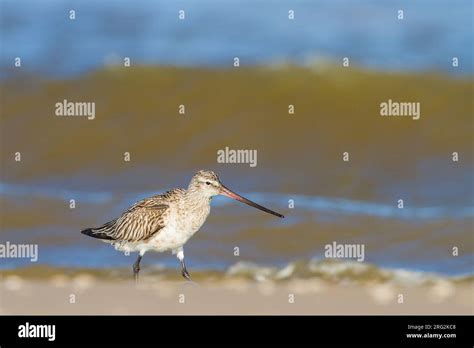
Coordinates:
column 213, row 293
column 232, row 298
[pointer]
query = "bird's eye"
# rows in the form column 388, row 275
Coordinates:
column 208, row 182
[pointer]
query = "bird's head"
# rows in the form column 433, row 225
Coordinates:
column 207, row 183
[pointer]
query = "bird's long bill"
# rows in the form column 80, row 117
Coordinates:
column 226, row 192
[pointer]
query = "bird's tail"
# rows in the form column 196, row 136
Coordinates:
column 103, row 232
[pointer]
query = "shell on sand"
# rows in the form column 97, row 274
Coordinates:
column 248, row 269
column 286, row 272
column 59, row 281
column 382, row 294
column 83, row 281
column 13, row 283
column 306, row 286
column 441, row 291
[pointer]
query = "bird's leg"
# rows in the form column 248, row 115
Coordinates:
column 184, row 271
column 136, row 267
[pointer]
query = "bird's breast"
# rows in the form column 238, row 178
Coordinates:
column 182, row 224
column 192, row 217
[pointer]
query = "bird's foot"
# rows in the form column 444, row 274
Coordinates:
column 186, row 275
column 136, row 270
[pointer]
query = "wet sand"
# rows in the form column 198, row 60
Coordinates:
column 230, row 297
column 341, row 289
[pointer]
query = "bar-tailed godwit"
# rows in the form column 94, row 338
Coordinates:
column 166, row 222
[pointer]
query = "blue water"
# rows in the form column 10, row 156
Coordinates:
column 338, row 206
column 256, row 31
column 259, row 33
column 411, row 238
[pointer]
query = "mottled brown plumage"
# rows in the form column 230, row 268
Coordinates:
column 167, row 221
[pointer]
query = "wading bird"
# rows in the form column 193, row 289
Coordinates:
column 166, row 222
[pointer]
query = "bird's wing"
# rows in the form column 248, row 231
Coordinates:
column 141, row 221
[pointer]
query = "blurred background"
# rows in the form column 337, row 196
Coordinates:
column 282, row 62
column 214, row 32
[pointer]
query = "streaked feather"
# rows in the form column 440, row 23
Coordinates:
column 140, row 222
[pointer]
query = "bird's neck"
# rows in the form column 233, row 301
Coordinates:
column 196, row 200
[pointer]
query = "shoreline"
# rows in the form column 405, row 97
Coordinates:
column 326, row 269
